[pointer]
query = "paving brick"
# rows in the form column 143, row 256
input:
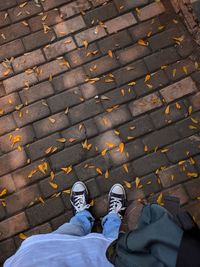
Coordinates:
column 101, row 13
column 53, row 3
column 117, row 158
column 161, row 138
column 29, row 174
column 192, row 188
column 84, row 111
column 59, row 48
column 179, row 89
column 70, row 79
column 101, row 65
column 176, row 174
column 195, row 101
column 19, row 81
column 64, row 181
column 51, row 69
column 112, row 119
column 41, row 229
column 12, row 161
column 26, row 135
column 66, row 200
column 69, row 26
column 90, row 128
column 93, row 188
column 150, row 184
column 135, row 128
column 37, row 92
column 193, row 209
column 76, row 152
column 4, row 21
column 130, row 72
column 60, row 220
column 124, row 5
column 2, row 90
column 119, row 23
column 75, row 133
column 145, row 104
column 88, row 169
column 5, row 71
column 196, row 77
column 149, row 163
column 157, row 80
column 7, row 4
column 160, row 118
column 46, row 126
column 44, row 212
column 151, row 11
column 180, row 70
column 90, row 35
column 20, row 200
column 100, row 87
column 28, row 60
column 179, row 192
column 187, row 127
column 164, row 39
column 135, row 149
column 187, row 46
column 118, row 96
column 38, row 39
column 82, row 55
column 7, row 124
column 164, row 57
column 13, row 32
column 7, row 248
column 115, row 41
column 132, row 53
column 66, row 99
column 96, row 3
column 6, row 181
column 13, row 225
column 7, row 51
column 31, row 113
column 52, row 17
column 142, row 30
column 37, row 149
column 101, row 203
column 21, row 13
column 9, row 102
column 184, row 148
column 74, row 8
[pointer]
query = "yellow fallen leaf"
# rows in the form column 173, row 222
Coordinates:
column 43, row 167
column 167, row 110
column 178, row 106
column 110, row 53
column 145, row 148
column 104, row 152
column 107, row 174
column 98, row 170
column 53, row 185
column 32, row 173
column 174, row 72
column 52, row 120
column 121, row 147
column 67, row 191
column 147, row 78
column 137, row 182
column 22, row 236
column 192, row 174
column 3, row 192
column 125, row 167
column 190, row 110
column 41, row 200
column 127, row 184
column 67, row 170
column 142, row 42
column 192, row 127
column 61, row 140
column 185, row 70
column 194, row 121
column 132, row 83
column 110, row 145
column 160, row 200
column 52, row 175
column 92, row 203
column 16, row 139
column 85, row 43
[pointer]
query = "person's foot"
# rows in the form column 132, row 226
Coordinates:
column 79, row 197
column 117, row 199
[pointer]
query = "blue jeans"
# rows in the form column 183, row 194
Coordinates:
column 81, row 224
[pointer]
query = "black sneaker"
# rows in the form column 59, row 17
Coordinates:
column 79, row 197
column 117, row 199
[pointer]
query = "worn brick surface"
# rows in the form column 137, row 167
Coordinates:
column 79, row 88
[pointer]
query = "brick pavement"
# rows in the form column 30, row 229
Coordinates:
column 98, row 91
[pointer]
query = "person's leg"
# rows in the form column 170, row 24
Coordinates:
column 112, row 221
column 81, row 224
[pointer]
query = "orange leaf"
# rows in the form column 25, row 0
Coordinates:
column 98, row 170
column 107, row 174
column 142, row 42
column 67, row 170
column 3, row 192
column 167, row 110
column 121, row 147
column 43, row 167
column 22, row 236
column 110, row 53
column 147, row 78
column 125, row 167
column 127, row 184
column 160, row 200
column 53, row 185
column 104, row 152
column 137, row 182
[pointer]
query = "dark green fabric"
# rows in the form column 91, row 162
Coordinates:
column 154, row 243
